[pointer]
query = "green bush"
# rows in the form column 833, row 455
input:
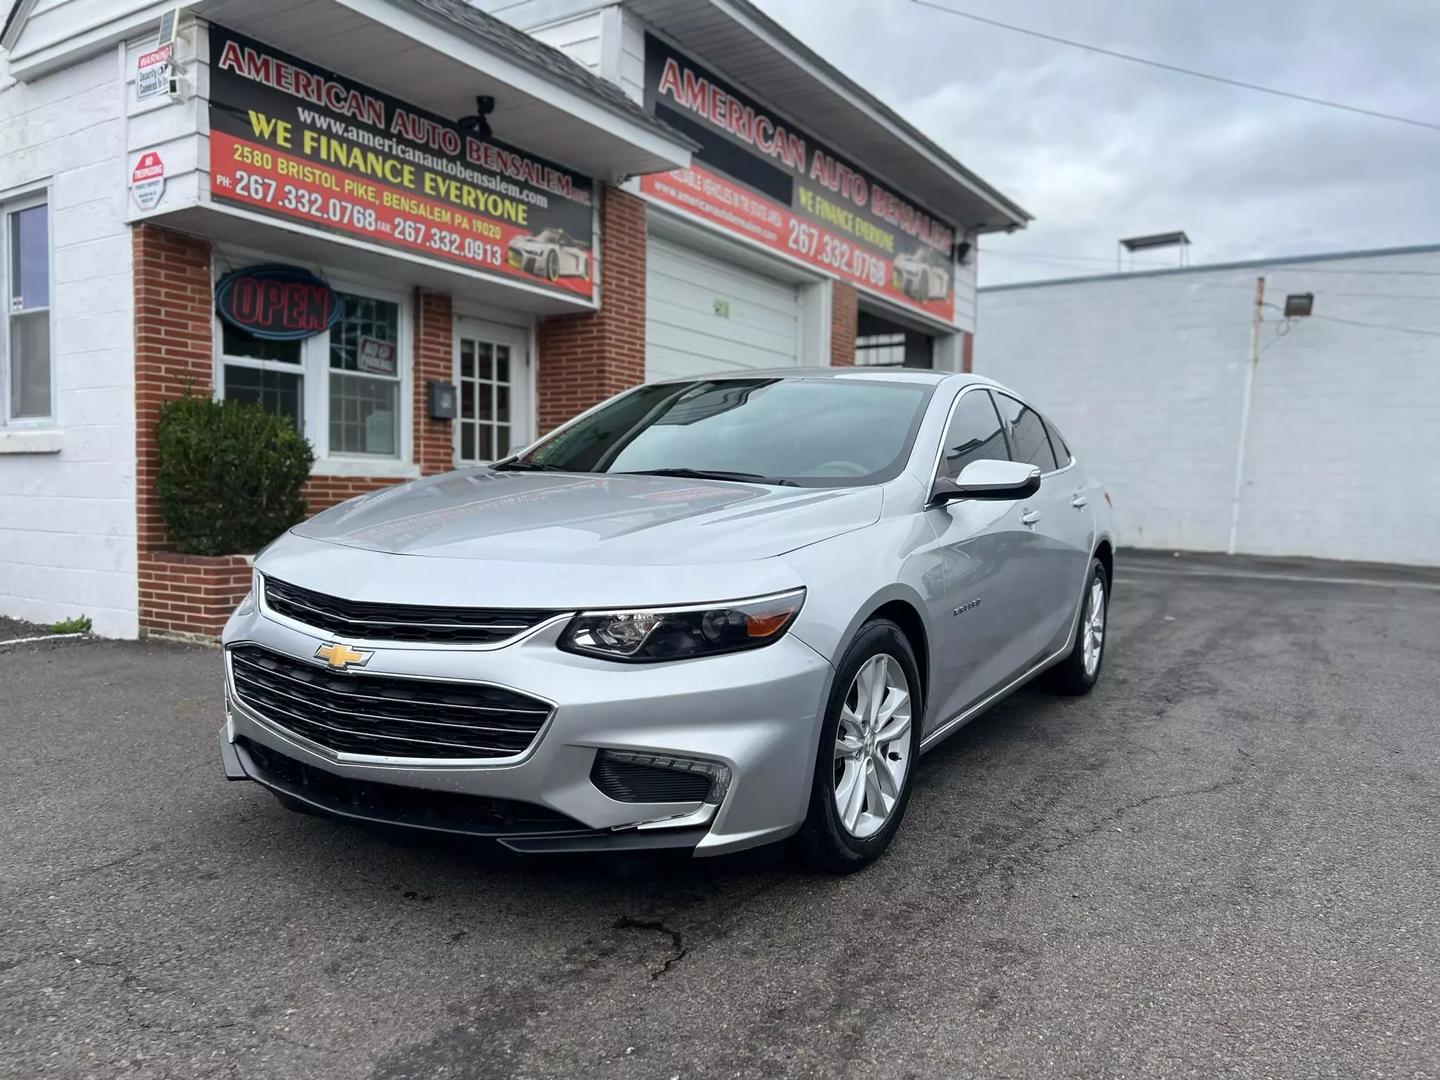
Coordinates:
column 230, row 475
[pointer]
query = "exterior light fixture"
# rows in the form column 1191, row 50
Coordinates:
column 1299, row 304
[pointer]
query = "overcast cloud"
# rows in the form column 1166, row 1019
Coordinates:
column 1096, row 148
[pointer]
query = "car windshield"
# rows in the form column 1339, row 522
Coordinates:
column 829, row 432
column 549, row 235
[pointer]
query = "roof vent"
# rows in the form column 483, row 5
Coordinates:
column 1131, row 245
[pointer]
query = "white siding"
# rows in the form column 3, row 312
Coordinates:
column 685, row 335
column 1144, row 375
column 67, row 519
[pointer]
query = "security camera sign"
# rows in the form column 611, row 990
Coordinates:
column 147, row 180
column 152, row 71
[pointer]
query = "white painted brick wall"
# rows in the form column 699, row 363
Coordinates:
column 67, row 519
column 1144, row 375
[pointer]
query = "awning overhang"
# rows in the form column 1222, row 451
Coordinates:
column 747, row 47
column 436, row 54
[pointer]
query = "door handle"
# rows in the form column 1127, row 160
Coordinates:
column 1078, row 501
column 1029, row 517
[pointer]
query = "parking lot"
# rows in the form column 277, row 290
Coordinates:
column 1224, row 862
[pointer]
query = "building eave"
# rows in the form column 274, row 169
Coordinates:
column 893, row 147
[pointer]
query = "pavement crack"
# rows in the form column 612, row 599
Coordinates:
column 677, row 940
column 1120, row 811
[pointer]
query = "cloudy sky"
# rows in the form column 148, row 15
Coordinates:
column 1097, row 148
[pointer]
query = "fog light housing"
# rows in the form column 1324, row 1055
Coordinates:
column 637, row 787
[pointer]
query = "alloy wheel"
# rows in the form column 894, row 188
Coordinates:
column 1094, row 627
column 872, row 746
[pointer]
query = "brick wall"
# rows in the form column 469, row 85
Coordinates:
column 190, row 594
column 194, row 594
column 844, row 317
column 434, row 359
column 587, row 358
column 173, row 352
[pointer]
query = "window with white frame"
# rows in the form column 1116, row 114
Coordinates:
column 25, row 376
column 341, row 389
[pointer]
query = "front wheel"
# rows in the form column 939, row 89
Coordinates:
column 869, row 746
column 1080, row 670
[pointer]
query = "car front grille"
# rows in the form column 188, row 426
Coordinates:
column 385, row 715
column 400, row 622
column 476, row 815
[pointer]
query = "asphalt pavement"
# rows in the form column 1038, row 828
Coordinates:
column 1225, row 862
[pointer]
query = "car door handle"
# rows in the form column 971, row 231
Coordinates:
column 1029, row 517
column 1078, row 501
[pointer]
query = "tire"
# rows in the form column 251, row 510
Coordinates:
column 552, row 266
column 825, row 842
column 1073, row 675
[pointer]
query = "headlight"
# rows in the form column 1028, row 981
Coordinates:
column 647, row 635
column 251, row 598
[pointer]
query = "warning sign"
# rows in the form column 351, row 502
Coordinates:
column 152, row 73
column 147, row 182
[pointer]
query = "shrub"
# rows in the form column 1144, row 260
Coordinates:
column 230, row 475
column 79, row 625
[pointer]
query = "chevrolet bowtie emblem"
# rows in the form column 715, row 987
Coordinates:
column 340, row 656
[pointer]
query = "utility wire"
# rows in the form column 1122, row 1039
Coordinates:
column 1177, row 69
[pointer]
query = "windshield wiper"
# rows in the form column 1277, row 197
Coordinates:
column 526, row 466
column 712, row 474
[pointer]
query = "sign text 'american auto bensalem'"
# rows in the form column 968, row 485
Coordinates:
column 292, row 140
column 758, row 177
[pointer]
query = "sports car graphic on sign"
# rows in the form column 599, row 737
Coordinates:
column 922, row 275
column 552, row 254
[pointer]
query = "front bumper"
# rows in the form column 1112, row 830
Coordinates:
column 756, row 712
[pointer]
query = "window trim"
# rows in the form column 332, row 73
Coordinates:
column 1044, row 426
column 16, row 199
column 1004, row 427
column 315, row 371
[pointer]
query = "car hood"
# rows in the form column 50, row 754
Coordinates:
column 592, row 519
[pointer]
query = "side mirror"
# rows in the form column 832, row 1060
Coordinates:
column 988, row 479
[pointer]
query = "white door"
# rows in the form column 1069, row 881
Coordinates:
column 706, row 315
column 492, row 373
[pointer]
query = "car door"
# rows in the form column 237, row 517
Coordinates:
column 1073, row 528
column 985, row 636
column 1057, row 551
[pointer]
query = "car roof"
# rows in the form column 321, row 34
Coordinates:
column 868, row 374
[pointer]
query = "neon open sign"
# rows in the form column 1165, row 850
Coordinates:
column 277, row 302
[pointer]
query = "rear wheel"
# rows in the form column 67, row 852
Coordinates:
column 869, row 745
column 1080, row 670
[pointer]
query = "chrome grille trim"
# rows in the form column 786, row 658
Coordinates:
column 411, row 624
column 416, row 721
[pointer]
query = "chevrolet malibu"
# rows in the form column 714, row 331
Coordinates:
column 707, row 614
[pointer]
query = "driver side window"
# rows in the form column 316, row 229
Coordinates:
column 975, row 433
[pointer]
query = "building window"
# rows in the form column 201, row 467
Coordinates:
column 341, row 389
column 880, row 350
column 25, row 336
column 365, row 378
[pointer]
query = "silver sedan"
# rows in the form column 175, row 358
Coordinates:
column 707, row 614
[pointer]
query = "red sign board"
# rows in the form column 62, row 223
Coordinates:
column 775, row 186
column 295, row 141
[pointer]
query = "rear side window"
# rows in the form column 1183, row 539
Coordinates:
column 975, row 433
column 1028, row 441
column 1058, row 443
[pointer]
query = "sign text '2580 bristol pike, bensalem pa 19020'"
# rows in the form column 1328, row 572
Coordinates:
column 294, row 141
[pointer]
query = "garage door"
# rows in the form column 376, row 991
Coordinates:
column 705, row 315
